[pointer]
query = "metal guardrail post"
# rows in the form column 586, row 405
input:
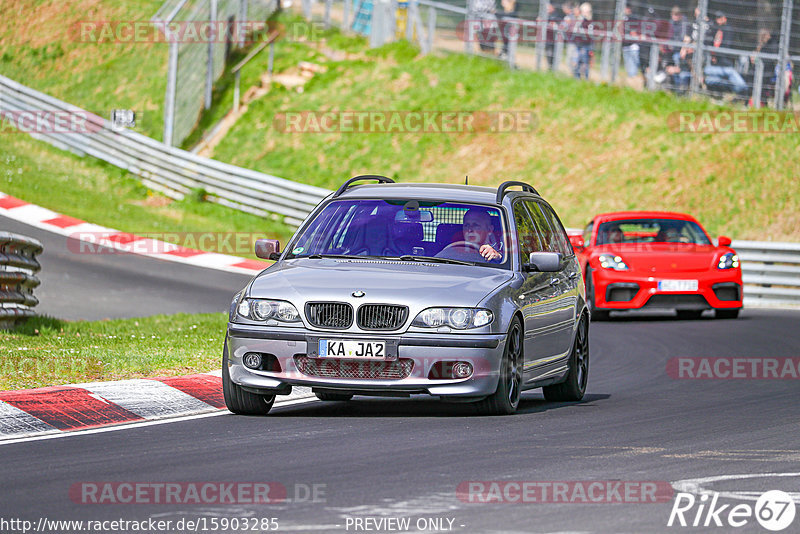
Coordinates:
column 169, row 99
column 783, row 53
column 653, row 65
column 513, row 39
column 242, row 21
column 346, row 8
column 18, row 268
column 541, row 33
column 431, row 27
column 558, row 51
column 327, row 16
column 469, row 26
column 698, row 61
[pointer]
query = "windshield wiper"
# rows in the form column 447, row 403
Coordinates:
column 409, row 257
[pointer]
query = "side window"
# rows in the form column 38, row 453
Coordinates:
column 587, row 233
column 528, row 237
column 541, row 224
column 559, row 234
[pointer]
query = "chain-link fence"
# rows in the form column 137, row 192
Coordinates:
column 732, row 50
column 202, row 34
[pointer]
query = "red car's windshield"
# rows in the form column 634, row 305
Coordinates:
column 651, row 231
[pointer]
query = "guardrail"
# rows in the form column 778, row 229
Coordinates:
column 770, row 271
column 172, row 171
column 18, row 268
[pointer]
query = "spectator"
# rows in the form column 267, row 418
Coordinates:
column 678, row 29
column 719, row 71
column 567, row 23
column 486, row 21
column 507, row 28
column 583, row 41
column 680, row 69
column 697, row 24
column 631, row 26
column 649, row 26
column 554, row 20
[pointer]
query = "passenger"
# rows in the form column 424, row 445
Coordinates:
column 615, row 235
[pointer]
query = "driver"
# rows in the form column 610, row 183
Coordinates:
column 478, row 230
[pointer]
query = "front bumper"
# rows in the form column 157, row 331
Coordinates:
column 627, row 290
column 288, row 345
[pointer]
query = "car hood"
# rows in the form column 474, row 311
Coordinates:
column 414, row 284
column 665, row 257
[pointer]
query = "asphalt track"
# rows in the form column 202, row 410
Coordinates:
column 99, row 286
column 380, row 458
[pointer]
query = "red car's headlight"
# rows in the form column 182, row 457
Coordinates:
column 610, row 261
column 728, row 261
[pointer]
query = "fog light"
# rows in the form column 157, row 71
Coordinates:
column 462, row 370
column 252, row 360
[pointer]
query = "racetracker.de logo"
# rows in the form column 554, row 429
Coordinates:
column 193, row 32
column 734, row 121
column 566, row 491
column 49, row 122
column 733, row 368
column 413, row 122
column 177, row 493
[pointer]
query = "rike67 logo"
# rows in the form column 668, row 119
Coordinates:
column 774, row 510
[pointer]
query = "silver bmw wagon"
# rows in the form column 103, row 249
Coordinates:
column 470, row 294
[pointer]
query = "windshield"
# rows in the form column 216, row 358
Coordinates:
column 651, row 231
column 406, row 229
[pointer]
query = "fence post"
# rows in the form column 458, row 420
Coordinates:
column 242, row 21
column 651, row 72
column 541, row 33
column 698, row 61
column 346, row 14
column 468, row 28
column 513, row 38
column 783, row 53
column 758, row 81
column 307, row 9
column 411, row 11
column 558, row 50
column 431, row 27
column 212, row 18
column 169, row 99
column 618, row 34
column 327, row 19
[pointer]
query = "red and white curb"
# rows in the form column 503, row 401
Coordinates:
column 61, row 409
column 43, row 218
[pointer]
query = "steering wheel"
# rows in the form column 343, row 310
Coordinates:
column 463, row 244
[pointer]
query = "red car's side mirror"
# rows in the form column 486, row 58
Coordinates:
column 268, row 249
column 724, row 241
column 577, row 242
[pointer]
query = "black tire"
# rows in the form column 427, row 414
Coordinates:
column 505, row 400
column 333, row 396
column 726, row 314
column 573, row 388
column 597, row 315
column 237, row 399
column 689, row 314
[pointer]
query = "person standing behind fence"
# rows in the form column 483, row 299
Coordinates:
column 583, row 41
column 508, row 11
column 678, row 29
column 567, row 23
column 554, row 20
column 649, row 29
column 487, row 23
column 630, row 42
column 720, row 71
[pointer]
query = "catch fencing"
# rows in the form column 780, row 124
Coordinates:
column 194, row 65
column 170, row 170
column 747, row 56
column 18, row 268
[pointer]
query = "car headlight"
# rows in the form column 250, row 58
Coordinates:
column 458, row 318
column 609, row 261
column 729, row 260
column 264, row 309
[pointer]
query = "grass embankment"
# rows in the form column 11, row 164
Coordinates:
column 594, row 148
column 49, row 352
column 43, row 48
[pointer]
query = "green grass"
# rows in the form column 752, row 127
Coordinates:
column 41, row 47
column 102, row 194
column 46, row 352
column 595, row 147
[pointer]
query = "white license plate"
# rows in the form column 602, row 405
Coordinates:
column 350, row 348
column 677, row 285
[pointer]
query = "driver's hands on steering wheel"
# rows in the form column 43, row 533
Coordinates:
column 489, row 253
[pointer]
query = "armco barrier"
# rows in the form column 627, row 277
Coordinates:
column 170, row 170
column 770, row 271
column 18, row 268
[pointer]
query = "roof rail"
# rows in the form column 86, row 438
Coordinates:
column 379, row 178
column 501, row 190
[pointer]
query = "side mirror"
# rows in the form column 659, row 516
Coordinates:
column 545, row 262
column 268, row 249
column 577, row 242
column 724, row 241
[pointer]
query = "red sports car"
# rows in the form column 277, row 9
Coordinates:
column 657, row 260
